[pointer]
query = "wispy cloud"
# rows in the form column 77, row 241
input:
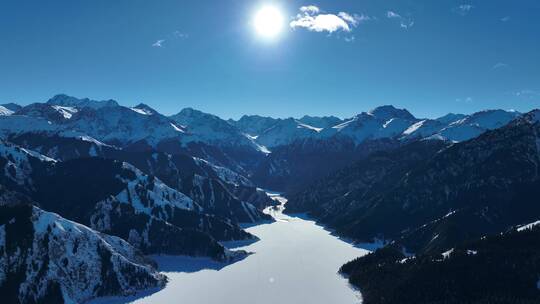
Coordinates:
column 500, row 65
column 313, row 19
column 505, row 19
column 404, row 23
column 463, row 9
column 527, row 94
column 353, row 20
column 466, row 99
column 158, row 43
column 180, row 35
column 172, row 36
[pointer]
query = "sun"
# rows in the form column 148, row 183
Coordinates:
column 268, row 22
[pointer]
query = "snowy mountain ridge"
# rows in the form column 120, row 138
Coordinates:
column 56, row 260
column 111, row 123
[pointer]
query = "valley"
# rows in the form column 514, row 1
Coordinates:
column 173, row 207
column 294, row 261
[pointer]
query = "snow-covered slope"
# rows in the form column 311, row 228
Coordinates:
column 53, row 113
column 118, row 199
column 450, row 118
column 144, row 109
column 123, row 126
column 225, row 174
column 285, row 131
column 210, row 129
column 476, row 124
column 45, row 258
column 5, row 111
column 381, row 122
column 253, row 124
column 12, row 107
column 457, row 127
column 17, row 164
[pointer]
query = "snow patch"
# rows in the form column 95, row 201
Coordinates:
column 414, row 127
column 67, row 112
column 5, row 111
column 528, row 226
column 140, row 111
column 447, row 254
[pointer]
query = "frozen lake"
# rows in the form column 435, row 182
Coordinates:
column 295, row 261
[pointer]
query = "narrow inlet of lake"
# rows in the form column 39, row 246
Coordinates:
column 295, row 261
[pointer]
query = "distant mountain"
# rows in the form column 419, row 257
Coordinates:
column 381, row 122
column 272, row 132
column 289, row 168
column 144, row 109
column 292, row 167
column 139, row 128
column 69, row 101
column 286, row 131
column 454, row 127
column 320, row 122
column 210, row 129
column 450, row 118
column 496, row 269
column 9, row 108
column 253, row 124
column 437, row 195
column 51, row 113
column 48, row 259
column 105, row 121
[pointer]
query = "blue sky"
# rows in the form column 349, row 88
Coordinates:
column 431, row 57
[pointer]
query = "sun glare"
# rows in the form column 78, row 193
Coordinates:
column 268, row 22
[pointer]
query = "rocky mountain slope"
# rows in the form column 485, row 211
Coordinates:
column 45, row 258
column 496, row 269
column 215, row 188
column 118, row 199
column 437, row 196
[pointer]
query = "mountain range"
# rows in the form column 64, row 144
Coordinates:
column 129, row 182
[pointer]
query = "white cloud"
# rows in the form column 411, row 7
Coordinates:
column 391, row 14
column 505, row 19
column 311, row 18
column 463, row 9
column 158, row 43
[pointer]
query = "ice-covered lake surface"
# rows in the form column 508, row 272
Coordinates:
column 295, row 261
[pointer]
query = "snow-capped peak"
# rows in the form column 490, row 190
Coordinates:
column 144, row 109
column 388, row 111
column 5, row 111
